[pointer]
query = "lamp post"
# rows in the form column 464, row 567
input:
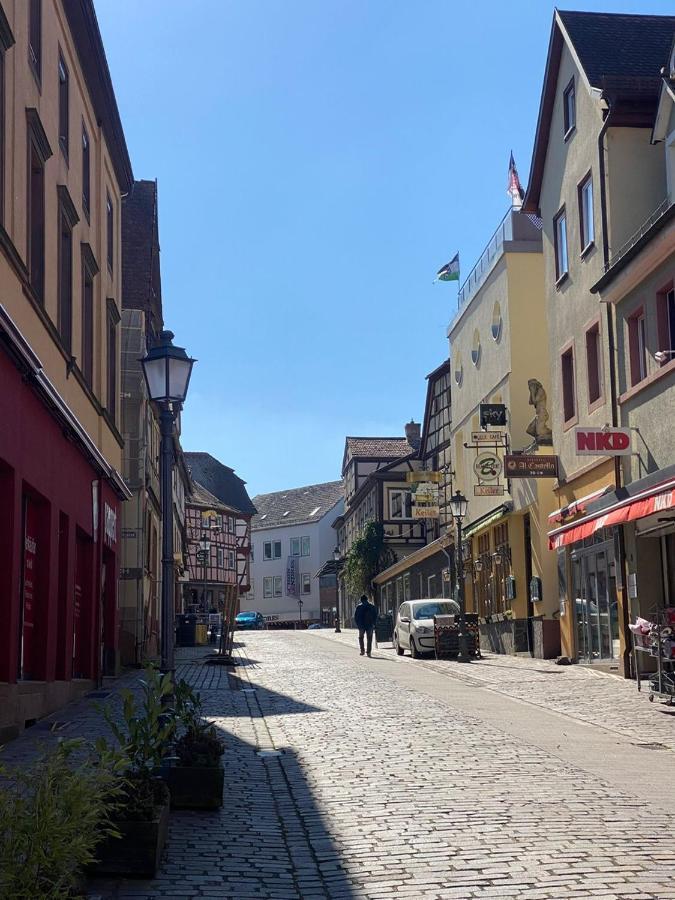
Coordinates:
column 458, row 506
column 167, row 371
column 204, row 552
column 336, row 609
column 300, row 602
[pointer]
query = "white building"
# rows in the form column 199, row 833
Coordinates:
column 292, row 538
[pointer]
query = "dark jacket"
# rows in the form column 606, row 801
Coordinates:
column 365, row 615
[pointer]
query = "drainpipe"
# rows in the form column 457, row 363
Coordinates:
column 626, row 658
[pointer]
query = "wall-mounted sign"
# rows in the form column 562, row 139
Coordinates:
column 487, row 466
column 487, row 437
column 413, row 477
column 492, row 415
column 521, row 465
column 109, row 525
column 292, row 576
column 424, row 496
column 488, row 490
column 603, row 441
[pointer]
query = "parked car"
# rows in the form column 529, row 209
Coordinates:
column 314, row 626
column 414, row 629
column 249, row 620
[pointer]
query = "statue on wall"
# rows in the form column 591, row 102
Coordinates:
column 538, row 427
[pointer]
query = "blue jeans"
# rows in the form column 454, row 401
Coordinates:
column 368, row 630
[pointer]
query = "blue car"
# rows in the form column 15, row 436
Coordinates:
column 249, row 620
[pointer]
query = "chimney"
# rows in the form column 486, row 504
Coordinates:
column 412, row 432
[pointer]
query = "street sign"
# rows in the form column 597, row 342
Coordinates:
column 487, row 466
column 202, row 557
column 487, row 437
column 492, row 414
column 488, row 490
column 521, row 465
column 603, row 441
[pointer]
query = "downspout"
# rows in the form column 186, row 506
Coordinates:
column 626, row 657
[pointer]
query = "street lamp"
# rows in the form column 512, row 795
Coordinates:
column 458, row 506
column 300, row 602
column 336, row 609
column 204, row 553
column 167, row 371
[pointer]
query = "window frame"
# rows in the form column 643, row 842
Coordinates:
column 86, row 172
column 666, row 321
column 278, row 578
column 220, row 557
column 110, row 236
column 67, row 219
column 35, row 39
column 295, row 541
column 560, row 274
column 268, row 587
column 586, row 237
column 89, row 271
column 112, row 348
column 231, row 560
column 593, row 329
column 568, row 352
column 569, row 127
column 305, row 545
column 405, row 506
column 63, row 104
column 38, row 151
column 305, row 583
column 637, row 346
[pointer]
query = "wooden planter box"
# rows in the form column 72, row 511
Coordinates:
column 195, row 788
column 138, row 852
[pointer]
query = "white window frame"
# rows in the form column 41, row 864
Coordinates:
column 273, row 547
column 562, row 262
column 305, row 545
column 220, row 557
column 295, row 546
column 278, row 588
column 231, row 561
column 230, row 524
column 641, row 328
column 268, row 586
column 306, row 584
column 586, row 214
column 569, row 108
column 404, row 505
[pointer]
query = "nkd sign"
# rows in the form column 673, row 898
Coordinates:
column 603, row 441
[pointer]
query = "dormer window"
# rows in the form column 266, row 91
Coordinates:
column 569, row 109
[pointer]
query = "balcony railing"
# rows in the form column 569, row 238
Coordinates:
column 503, row 232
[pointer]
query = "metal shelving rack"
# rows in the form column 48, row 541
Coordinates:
column 661, row 682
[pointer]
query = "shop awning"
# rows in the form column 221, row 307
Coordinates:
column 575, row 507
column 656, row 499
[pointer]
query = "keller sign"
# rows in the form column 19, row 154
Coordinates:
column 602, row 441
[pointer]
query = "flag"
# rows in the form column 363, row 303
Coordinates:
column 450, row 271
column 514, row 188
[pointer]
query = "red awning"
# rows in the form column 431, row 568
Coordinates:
column 654, row 500
column 575, row 507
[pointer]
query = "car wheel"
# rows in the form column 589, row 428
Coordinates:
column 399, row 649
column 414, row 652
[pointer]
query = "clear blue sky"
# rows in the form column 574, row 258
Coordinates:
column 318, row 161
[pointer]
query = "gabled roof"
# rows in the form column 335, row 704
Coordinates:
column 386, row 448
column 296, row 505
column 616, row 53
column 220, row 481
column 200, row 496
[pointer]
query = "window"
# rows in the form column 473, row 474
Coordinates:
column 666, row 323
column 475, row 348
column 89, row 270
column 637, row 341
column 219, row 521
column 586, row 226
column 206, row 520
column 272, row 550
column 277, row 585
column 35, row 37
column 220, row 557
column 86, row 173
column 568, row 387
column 113, row 319
column 560, row 238
column 593, row 357
column 36, row 217
column 300, row 546
column 110, row 222
column 231, row 527
column 231, row 561
column 268, row 587
column 400, row 504
column 306, row 584
column 305, row 546
column 65, row 283
column 63, row 105
column 569, row 109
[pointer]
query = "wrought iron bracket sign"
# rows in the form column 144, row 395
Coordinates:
column 522, row 465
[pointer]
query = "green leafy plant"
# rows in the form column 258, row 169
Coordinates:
column 199, row 744
column 53, row 814
column 367, row 557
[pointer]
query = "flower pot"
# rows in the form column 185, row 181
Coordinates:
column 138, row 852
column 195, row 787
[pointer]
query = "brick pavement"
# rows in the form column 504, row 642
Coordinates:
column 382, row 792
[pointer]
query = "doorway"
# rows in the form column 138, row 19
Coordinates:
column 595, row 603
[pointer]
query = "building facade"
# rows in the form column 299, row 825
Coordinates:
column 593, row 138
column 292, row 537
column 64, row 167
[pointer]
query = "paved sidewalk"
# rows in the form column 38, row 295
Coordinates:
column 579, row 692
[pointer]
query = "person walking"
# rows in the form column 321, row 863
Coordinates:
column 365, row 617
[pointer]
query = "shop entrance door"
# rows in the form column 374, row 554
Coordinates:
column 597, row 624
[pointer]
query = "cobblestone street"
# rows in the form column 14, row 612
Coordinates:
column 398, row 779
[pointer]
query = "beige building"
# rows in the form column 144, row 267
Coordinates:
column 595, row 179
column 499, row 354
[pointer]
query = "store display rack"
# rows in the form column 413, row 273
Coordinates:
column 657, row 638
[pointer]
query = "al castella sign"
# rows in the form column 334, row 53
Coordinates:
column 603, row 441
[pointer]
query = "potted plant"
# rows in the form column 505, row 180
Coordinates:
column 195, row 777
column 141, row 815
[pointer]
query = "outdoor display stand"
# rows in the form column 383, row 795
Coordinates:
column 657, row 638
column 446, row 635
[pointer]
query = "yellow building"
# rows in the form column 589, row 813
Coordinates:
column 499, row 355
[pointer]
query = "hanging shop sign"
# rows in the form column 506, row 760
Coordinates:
column 603, row 441
column 413, row 477
column 425, row 504
column 487, row 437
column 487, row 466
column 522, row 465
column 109, row 525
column 292, row 576
column 492, row 415
column 488, row 490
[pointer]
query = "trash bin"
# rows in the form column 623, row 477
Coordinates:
column 185, row 630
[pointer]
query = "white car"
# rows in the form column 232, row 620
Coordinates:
column 414, row 629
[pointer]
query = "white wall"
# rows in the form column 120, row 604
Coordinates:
column 322, row 544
